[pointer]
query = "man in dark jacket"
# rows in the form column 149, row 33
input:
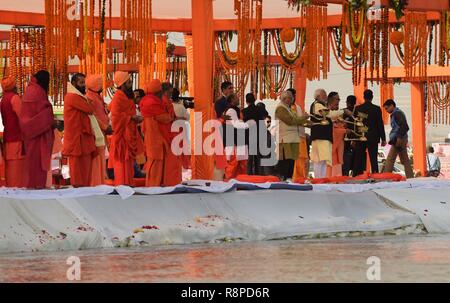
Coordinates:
column 221, row 104
column 374, row 122
column 398, row 138
column 349, row 146
column 258, row 114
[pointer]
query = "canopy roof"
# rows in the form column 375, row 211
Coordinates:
column 168, row 9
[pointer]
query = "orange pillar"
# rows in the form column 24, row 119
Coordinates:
column 386, row 92
column 359, row 91
column 300, row 86
column 203, row 50
column 418, row 126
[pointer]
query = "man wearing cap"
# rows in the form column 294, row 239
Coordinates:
column 124, row 141
column 94, row 88
column 82, row 133
column 157, row 124
column 10, row 107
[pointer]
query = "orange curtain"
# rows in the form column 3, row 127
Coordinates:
column 203, row 50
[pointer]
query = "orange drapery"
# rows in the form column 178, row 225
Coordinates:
column 203, row 50
column 359, row 91
column 300, row 87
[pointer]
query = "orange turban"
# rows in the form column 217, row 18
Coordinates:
column 94, row 82
column 8, row 84
column 120, row 78
column 153, row 86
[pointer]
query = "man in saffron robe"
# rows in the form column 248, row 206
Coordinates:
column 12, row 135
column 37, row 121
column 124, row 141
column 94, row 89
column 174, row 163
column 157, row 123
column 82, row 132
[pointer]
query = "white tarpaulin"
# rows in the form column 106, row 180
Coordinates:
column 104, row 221
column 431, row 205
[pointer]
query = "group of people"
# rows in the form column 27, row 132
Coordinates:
column 134, row 133
column 334, row 146
column 135, row 125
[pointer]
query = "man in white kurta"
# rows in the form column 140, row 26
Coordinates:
column 321, row 149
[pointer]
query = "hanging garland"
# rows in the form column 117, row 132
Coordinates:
column 438, row 100
column 26, row 53
column 317, row 52
column 416, row 37
column 61, row 44
column 356, row 29
column 249, row 18
column 444, row 39
column 290, row 60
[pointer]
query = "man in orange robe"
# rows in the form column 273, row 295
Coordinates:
column 80, row 132
column 94, row 89
column 124, row 141
column 174, row 166
column 12, row 135
column 36, row 122
column 157, row 136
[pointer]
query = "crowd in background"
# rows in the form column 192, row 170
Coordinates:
column 132, row 136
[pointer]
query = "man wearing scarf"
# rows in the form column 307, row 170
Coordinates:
column 124, row 141
column 94, row 85
column 36, row 122
column 10, row 107
column 82, row 132
column 157, row 136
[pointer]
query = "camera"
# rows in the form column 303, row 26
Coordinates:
column 188, row 102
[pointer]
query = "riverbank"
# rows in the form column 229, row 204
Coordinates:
column 92, row 218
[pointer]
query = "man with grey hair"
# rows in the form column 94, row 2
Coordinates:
column 322, row 133
column 288, row 134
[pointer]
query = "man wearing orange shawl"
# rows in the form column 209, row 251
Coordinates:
column 36, row 121
column 94, row 89
column 80, row 132
column 174, row 166
column 157, row 136
column 12, row 135
column 124, row 141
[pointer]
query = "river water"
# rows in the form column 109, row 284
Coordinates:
column 414, row 258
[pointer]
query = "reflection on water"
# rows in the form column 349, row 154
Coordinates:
column 403, row 258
